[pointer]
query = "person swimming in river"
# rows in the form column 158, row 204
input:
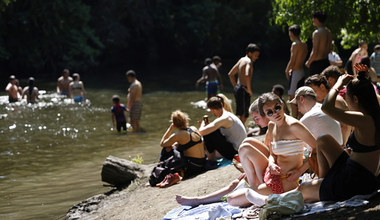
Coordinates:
column 30, row 92
column 77, row 92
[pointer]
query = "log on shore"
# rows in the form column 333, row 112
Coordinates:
column 121, row 172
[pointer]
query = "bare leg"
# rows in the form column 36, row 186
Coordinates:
column 238, row 198
column 254, row 157
column 328, row 151
column 310, row 190
column 213, row 197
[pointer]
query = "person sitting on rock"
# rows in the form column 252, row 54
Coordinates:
column 183, row 153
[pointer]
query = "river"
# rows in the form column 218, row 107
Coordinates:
column 51, row 153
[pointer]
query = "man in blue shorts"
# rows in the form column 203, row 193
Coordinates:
column 211, row 76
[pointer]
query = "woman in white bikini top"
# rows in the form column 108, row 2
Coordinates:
column 286, row 139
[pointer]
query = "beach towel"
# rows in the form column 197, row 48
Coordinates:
column 221, row 210
column 203, row 212
column 323, row 206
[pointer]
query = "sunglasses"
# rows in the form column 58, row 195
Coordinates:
column 270, row 112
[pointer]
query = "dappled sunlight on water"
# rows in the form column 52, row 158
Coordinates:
column 52, row 152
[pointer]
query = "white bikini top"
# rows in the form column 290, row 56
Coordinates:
column 288, row 147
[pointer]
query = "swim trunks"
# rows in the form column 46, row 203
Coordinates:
column 296, row 76
column 11, row 100
column 212, row 88
column 135, row 111
column 243, row 100
column 121, row 124
column 78, row 98
column 317, row 67
column 346, row 179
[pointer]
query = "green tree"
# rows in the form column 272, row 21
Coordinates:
column 350, row 20
column 45, row 36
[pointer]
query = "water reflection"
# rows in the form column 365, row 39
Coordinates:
column 52, row 152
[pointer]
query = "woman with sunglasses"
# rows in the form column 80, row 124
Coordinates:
column 277, row 173
column 343, row 176
column 286, row 138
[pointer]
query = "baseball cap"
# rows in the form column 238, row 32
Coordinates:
column 302, row 91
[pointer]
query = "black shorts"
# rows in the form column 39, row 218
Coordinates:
column 216, row 141
column 121, row 124
column 243, row 100
column 346, row 179
column 317, row 67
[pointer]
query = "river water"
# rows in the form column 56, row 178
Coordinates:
column 51, row 153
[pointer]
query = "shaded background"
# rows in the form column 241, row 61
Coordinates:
column 159, row 39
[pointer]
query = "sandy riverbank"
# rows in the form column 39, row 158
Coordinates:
column 140, row 202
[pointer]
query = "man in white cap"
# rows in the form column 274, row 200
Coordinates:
column 313, row 117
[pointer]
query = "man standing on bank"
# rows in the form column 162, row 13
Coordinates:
column 242, row 88
column 322, row 39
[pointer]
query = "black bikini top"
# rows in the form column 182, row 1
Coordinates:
column 358, row 147
column 183, row 147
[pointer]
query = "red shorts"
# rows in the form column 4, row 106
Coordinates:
column 273, row 181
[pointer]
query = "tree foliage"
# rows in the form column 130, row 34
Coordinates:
column 44, row 35
column 350, row 20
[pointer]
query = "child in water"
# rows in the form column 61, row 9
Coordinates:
column 118, row 114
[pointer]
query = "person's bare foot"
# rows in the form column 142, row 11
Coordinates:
column 190, row 201
column 165, row 181
column 172, row 179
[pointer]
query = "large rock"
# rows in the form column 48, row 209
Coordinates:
column 121, row 172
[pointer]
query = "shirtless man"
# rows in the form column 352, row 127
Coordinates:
column 242, row 88
column 294, row 71
column 12, row 89
column 322, row 40
column 64, row 82
column 211, row 76
column 76, row 89
column 134, row 105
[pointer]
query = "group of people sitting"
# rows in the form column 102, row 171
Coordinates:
column 190, row 151
column 339, row 144
column 342, row 166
